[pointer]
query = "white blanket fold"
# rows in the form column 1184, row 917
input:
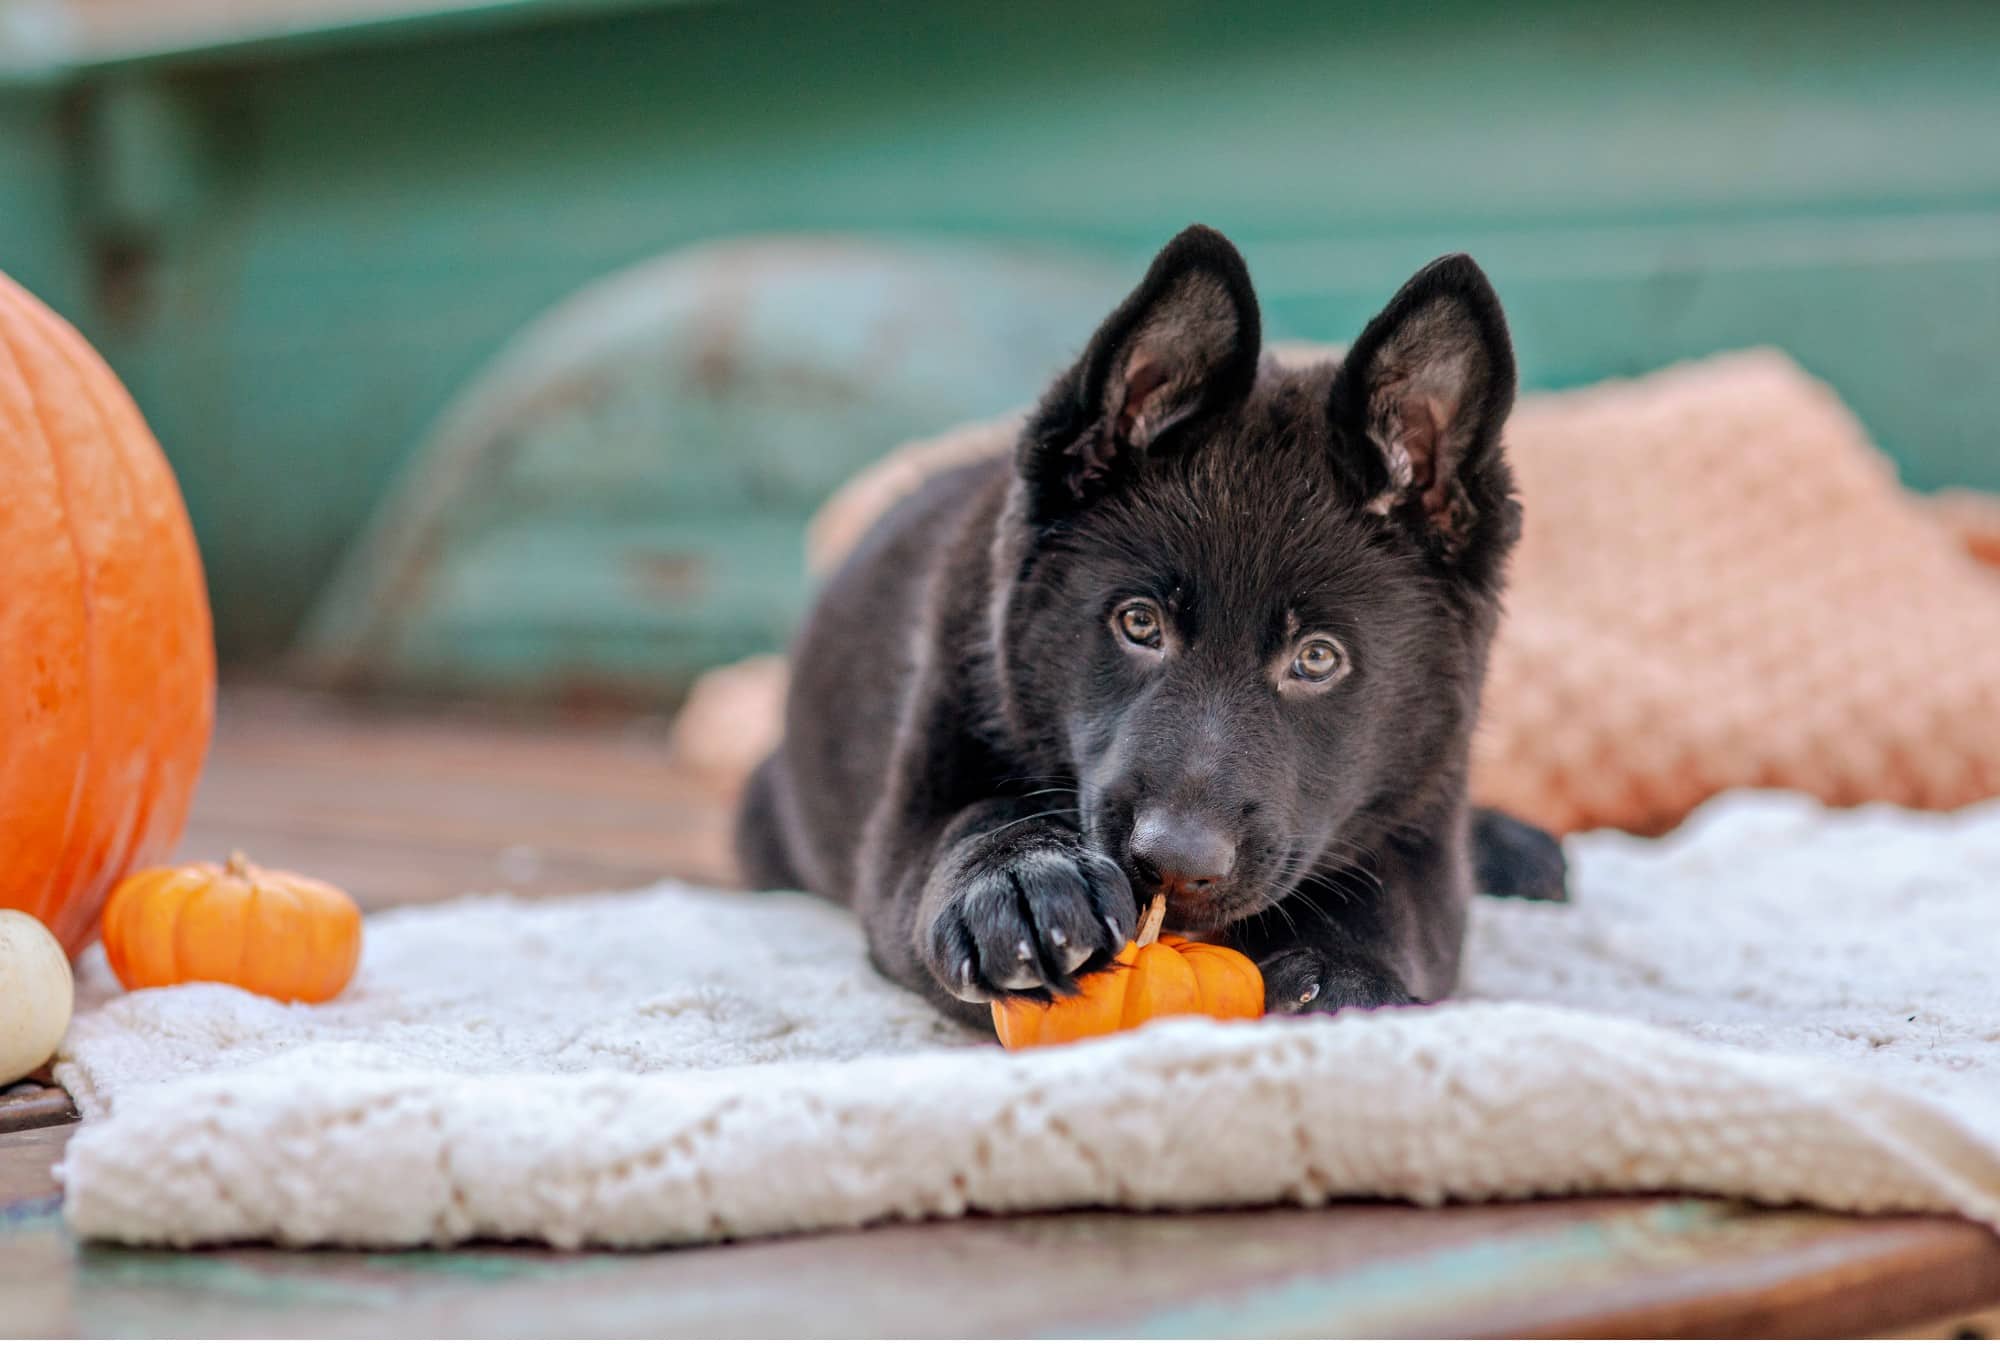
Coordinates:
column 1778, row 1002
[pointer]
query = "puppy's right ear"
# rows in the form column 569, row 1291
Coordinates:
column 1186, row 341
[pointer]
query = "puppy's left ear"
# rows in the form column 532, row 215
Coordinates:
column 1185, row 341
column 1427, row 387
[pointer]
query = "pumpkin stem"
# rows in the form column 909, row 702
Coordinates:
column 1156, row 916
column 238, row 866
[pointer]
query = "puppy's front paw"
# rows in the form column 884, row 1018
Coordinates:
column 1028, row 921
column 1309, row 981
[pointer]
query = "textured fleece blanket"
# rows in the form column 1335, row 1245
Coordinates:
column 1776, row 1002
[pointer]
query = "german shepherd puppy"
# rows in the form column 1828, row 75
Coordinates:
column 1217, row 629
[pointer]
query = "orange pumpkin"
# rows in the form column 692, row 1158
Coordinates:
column 278, row 934
column 1155, row 976
column 107, row 667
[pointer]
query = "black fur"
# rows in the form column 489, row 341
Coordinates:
column 1218, row 630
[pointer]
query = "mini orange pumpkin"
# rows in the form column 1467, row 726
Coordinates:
column 267, row 931
column 1155, row 976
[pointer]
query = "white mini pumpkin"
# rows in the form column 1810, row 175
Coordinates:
column 36, row 994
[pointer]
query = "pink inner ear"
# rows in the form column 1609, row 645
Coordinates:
column 1418, row 423
column 1144, row 380
column 1429, row 475
column 1434, row 417
column 1418, row 437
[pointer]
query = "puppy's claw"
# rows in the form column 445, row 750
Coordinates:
column 967, row 989
column 1070, row 958
column 1026, row 976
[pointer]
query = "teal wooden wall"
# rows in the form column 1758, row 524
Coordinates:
column 296, row 256
column 37, row 244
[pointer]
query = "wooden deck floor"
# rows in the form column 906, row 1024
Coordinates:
column 403, row 808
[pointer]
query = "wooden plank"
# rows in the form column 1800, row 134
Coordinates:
column 1977, row 1326
column 38, row 1262
column 1831, row 1277
column 401, row 808
column 1694, row 1267
column 27, row 1160
column 28, row 1105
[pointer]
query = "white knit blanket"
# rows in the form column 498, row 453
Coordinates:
column 1777, row 1002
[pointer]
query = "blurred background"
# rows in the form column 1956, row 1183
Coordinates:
column 503, row 347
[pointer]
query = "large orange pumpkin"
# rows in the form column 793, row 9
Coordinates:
column 1155, row 976
column 107, row 663
column 265, row 930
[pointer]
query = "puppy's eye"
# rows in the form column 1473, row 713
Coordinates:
column 1319, row 659
column 1138, row 623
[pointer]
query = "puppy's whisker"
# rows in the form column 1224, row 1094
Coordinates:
column 1016, row 822
column 1068, row 782
column 1291, row 921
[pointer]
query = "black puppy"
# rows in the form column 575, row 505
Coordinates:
column 1217, row 629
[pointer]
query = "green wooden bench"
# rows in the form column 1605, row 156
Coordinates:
column 620, row 501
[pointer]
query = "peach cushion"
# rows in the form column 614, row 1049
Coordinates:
column 1721, row 584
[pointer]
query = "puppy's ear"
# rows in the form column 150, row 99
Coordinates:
column 1184, row 342
column 1423, row 393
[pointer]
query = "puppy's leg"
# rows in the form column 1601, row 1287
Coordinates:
column 1351, row 937
column 1511, row 858
column 1324, row 981
column 762, row 857
column 1001, row 899
column 1314, row 963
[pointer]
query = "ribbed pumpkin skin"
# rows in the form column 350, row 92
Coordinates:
column 107, row 663
column 265, row 930
column 1167, row 977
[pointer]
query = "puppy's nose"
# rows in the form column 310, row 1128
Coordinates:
column 1182, row 853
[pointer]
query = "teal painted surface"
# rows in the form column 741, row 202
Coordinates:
column 1645, row 182
column 37, row 230
column 49, row 44
column 621, row 500
column 1385, row 1296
